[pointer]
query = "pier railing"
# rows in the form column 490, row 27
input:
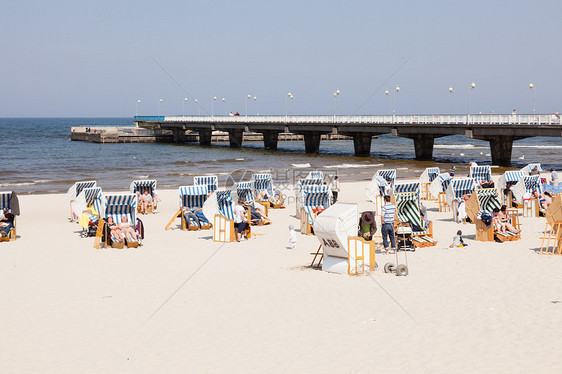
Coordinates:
column 446, row 119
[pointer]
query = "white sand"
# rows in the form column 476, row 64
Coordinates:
column 255, row 307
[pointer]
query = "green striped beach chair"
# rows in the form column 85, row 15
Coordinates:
column 408, row 212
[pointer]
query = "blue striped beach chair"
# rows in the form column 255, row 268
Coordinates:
column 245, row 191
column 313, row 196
column 428, row 176
column 191, row 197
column 221, row 202
column 75, row 190
column 118, row 206
column 407, row 187
column 527, row 169
column 522, row 192
column 211, row 181
column 480, row 173
column 91, row 196
column 389, row 176
column 299, row 197
column 408, row 211
column 9, row 200
column 455, row 191
column 377, row 189
column 262, row 182
column 139, row 186
column 486, row 200
column 508, row 178
column 439, row 185
column 315, row 174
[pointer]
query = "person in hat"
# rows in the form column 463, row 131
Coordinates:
column 367, row 225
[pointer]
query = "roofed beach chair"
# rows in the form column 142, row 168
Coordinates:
column 376, row 190
column 220, row 206
column 509, row 178
column 117, row 206
column 9, row 200
column 389, row 176
column 481, row 174
column 529, row 168
column 299, row 196
column 428, row 176
column 75, row 190
column 245, row 191
column 522, row 191
column 262, row 182
column 191, row 197
column 89, row 197
column 552, row 239
column 138, row 187
column 455, row 191
column 315, row 174
column 407, row 187
column 485, row 200
column 437, row 190
column 408, row 212
column 313, row 196
column 211, row 181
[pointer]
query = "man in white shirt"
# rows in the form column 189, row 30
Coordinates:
column 240, row 221
column 335, row 187
column 554, row 177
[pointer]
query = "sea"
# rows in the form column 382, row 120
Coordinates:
column 38, row 157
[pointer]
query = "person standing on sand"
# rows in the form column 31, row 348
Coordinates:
column 387, row 224
column 240, row 219
column 335, row 187
column 554, row 177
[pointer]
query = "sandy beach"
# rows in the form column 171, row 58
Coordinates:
column 183, row 303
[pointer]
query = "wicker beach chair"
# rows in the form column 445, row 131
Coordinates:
column 220, row 206
column 299, row 195
column 211, row 181
column 313, row 196
column 511, row 178
column 481, row 173
column 75, row 190
column 9, row 200
column 139, row 186
column 437, row 190
column 407, row 187
column 522, row 191
column 428, row 176
column 262, row 182
column 455, row 191
column 552, row 238
column 408, row 212
column 118, row 206
column 527, row 169
column 192, row 197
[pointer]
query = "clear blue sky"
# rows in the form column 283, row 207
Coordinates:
column 91, row 58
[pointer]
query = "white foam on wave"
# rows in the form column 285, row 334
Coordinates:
column 539, row 146
column 239, row 159
column 348, row 166
column 17, row 184
column 401, row 168
column 301, row 165
column 459, row 146
column 142, row 176
column 43, row 181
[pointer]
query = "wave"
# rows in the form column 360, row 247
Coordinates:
column 349, row 166
column 301, row 165
column 44, row 181
column 459, row 146
column 17, row 184
column 539, row 146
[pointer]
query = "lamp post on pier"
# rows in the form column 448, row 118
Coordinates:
column 396, row 91
column 470, row 88
column 159, row 102
column 387, row 93
column 137, row 108
column 197, row 103
column 534, row 91
column 247, row 99
column 289, row 96
column 336, row 94
column 223, row 100
column 452, row 92
column 256, row 102
column 183, row 106
column 213, row 106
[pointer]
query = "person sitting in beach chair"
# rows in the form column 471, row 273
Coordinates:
column 544, row 200
column 6, row 222
column 506, row 220
column 240, row 221
column 128, row 230
column 316, row 211
column 194, row 217
column 115, row 231
column 145, row 201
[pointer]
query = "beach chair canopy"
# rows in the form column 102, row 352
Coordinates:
column 407, row 187
column 77, row 187
column 193, row 196
column 211, row 181
column 459, row 187
column 142, row 185
column 262, row 182
column 527, row 184
column 316, row 195
column 488, row 198
column 377, row 187
column 509, row 177
column 89, row 197
column 389, row 175
column 315, row 174
column 429, row 175
column 527, row 169
column 220, row 202
column 121, row 205
column 481, row 173
column 245, row 190
column 334, row 226
column 408, row 209
column 439, row 184
column 9, row 199
column 301, row 184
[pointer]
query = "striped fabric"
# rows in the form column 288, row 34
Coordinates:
column 481, row 173
column 389, row 175
column 408, row 209
column 316, row 196
column 226, row 206
column 459, row 187
column 527, row 169
column 93, row 197
column 552, row 190
column 245, row 190
column 429, row 175
column 77, row 187
column 315, row 174
column 211, row 181
column 488, row 198
column 262, row 182
column 509, row 177
column 382, row 183
column 440, row 184
column 193, row 196
column 5, row 199
column 532, row 183
column 120, row 205
column 407, row 187
column 142, row 185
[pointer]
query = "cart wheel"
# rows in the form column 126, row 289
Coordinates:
column 389, row 267
column 401, row 270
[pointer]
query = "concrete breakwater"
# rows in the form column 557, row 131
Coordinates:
column 107, row 134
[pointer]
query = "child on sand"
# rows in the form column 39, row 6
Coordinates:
column 457, row 241
column 292, row 237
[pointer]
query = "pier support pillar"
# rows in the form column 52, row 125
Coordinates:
column 235, row 138
column 311, row 141
column 205, row 136
column 423, row 145
column 179, row 135
column 362, row 143
column 500, row 148
column 270, row 139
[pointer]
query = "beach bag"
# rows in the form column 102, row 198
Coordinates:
column 140, row 228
